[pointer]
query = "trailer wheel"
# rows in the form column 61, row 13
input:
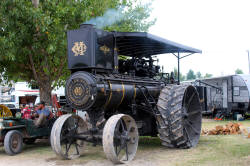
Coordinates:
column 62, row 139
column 180, row 111
column 120, row 138
column 13, row 142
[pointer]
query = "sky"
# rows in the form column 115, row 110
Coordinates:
column 220, row 28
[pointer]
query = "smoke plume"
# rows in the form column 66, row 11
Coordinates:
column 110, row 17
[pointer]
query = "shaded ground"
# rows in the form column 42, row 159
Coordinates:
column 221, row 150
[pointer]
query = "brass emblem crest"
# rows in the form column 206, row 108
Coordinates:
column 105, row 49
column 79, row 48
column 78, row 91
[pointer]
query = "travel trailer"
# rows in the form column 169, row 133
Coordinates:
column 21, row 93
column 226, row 95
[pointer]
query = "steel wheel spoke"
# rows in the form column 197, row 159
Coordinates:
column 117, row 131
column 117, row 135
column 127, row 151
column 63, row 139
column 66, row 125
column 120, row 148
column 64, row 130
column 116, row 149
column 187, row 135
column 77, row 150
column 79, row 145
column 67, row 149
column 129, row 127
column 77, row 124
column 123, row 128
column 193, row 113
column 194, row 129
column 190, row 100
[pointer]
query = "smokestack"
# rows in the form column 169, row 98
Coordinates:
column 88, row 26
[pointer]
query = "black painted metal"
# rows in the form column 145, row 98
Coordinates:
column 103, row 85
column 90, row 48
column 141, row 43
column 192, row 116
column 98, row 49
column 202, row 91
column 86, row 91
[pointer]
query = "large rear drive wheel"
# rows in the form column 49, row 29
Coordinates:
column 13, row 142
column 62, row 138
column 180, row 110
column 120, row 138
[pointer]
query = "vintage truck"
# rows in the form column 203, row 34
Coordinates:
column 14, row 131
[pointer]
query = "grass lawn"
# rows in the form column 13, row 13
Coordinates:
column 219, row 150
column 214, row 150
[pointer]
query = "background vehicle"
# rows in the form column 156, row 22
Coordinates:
column 124, row 97
column 14, row 131
column 21, row 93
column 225, row 96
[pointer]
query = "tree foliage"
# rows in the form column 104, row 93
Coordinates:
column 136, row 18
column 198, row 75
column 191, row 75
column 182, row 77
column 33, row 39
column 207, row 75
column 238, row 71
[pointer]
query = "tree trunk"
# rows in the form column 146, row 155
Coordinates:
column 35, row 3
column 45, row 92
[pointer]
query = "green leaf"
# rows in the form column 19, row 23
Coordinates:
column 40, row 32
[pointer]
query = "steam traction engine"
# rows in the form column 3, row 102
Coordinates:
column 124, row 96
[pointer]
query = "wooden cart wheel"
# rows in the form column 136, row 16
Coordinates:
column 120, row 138
column 62, row 139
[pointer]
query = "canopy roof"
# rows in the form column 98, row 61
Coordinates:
column 145, row 44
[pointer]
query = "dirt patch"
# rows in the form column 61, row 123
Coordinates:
column 212, row 150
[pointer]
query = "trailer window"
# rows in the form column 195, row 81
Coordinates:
column 236, row 91
column 218, row 91
column 6, row 99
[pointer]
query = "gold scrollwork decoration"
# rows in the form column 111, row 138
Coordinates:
column 105, row 49
column 79, row 48
column 78, row 91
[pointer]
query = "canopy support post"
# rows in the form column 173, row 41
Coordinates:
column 115, row 55
column 178, row 58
